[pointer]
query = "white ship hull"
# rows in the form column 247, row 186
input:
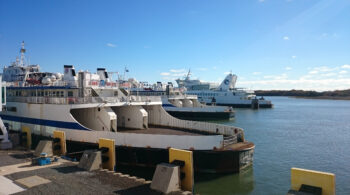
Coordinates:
column 229, row 98
column 43, row 119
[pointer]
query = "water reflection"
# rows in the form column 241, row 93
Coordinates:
column 239, row 183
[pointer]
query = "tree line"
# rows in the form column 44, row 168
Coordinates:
column 302, row 93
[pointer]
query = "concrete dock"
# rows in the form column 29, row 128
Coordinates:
column 18, row 176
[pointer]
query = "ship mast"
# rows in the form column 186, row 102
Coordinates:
column 21, row 63
column 188, row 74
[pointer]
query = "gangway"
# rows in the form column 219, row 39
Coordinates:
column 5, row 143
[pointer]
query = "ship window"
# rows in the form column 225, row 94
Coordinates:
column 115, row 93
column 54, row 93
column 73, row 72
column 46, row 93
column 70, row 93
column 11, row 109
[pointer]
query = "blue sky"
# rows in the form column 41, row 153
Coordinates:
column 269, row 44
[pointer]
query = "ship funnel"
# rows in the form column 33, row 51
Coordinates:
column 103, row 74
column 70, row 75
column 228, row 83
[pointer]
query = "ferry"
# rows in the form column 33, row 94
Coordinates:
column 179, row 104
column 226, row 94
column 89, row 106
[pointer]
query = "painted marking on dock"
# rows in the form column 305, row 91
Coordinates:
column 32, row 181
column 8, row 187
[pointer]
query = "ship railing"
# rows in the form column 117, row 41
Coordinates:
column 182, row 96
column 132, row 98
column 83, row 100
column 158, row 116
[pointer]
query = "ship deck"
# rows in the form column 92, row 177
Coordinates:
column 240, row 146
column 160, row 131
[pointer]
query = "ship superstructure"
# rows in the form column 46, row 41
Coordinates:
column 225, row 94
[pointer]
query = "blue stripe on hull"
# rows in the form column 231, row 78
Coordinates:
column 168, row 105
column 44, row 122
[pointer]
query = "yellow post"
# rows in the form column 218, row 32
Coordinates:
column 324, row 180
column 186, row 156
column 108, row 143
column 62, row 149
column 28, row 136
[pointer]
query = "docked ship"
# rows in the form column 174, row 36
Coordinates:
column 179, row 104
column 225, row 94
column 89, row 106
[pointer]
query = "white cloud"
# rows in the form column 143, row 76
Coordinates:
column 214, row 67
column 317, row 78
column 165, row 73
column 286, row 38
column 313, row 72
column 294, row 57
column 322, row 69
column 325, row 35
column 173, row 74
column 177, row 70
column 330, row 74
column 111, row 45
column 288, row 68
column 346, row 66
column 226, row 73
column 276, row 77
column 301, row 83
column 256, row 73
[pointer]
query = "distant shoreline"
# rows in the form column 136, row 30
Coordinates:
column 323, row 98
column 329, row 95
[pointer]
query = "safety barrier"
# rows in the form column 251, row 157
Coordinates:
column 184, row 159
column 304, row 177
column 26, row 137
column 59, row 143
column 107, row 148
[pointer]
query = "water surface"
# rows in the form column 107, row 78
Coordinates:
column 304, row 133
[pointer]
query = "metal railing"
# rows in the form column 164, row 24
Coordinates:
column 84, row 100
column 182, row 96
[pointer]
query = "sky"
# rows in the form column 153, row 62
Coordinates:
column 268, row 44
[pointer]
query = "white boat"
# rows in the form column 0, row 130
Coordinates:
column 225, row 94
column 90, row 106
column 179, row 104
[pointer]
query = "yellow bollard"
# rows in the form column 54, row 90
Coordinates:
column 186, row 156
column 324, row 180
column 108, row 157
column 59, row 143
column 28, row 139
